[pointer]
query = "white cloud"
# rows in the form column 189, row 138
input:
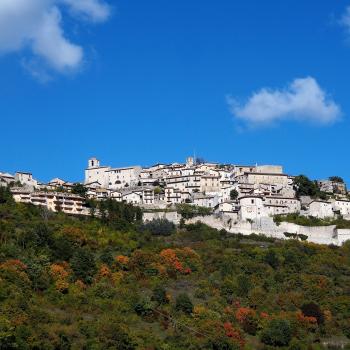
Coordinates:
column 94, row 10
column 37, row 25
column 345, row 19
column 302, row 100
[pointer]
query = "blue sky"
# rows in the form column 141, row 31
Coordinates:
column 141, row 82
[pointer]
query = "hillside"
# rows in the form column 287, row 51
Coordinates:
column 115, row 283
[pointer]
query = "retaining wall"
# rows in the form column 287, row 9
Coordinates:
column 265, row 226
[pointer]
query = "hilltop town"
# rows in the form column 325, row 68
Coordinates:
column 238, row 198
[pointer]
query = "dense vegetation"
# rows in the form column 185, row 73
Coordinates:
column 114, row 283
column 306, row 187
column 188, row 211
column 336, row 179
column 295, row 218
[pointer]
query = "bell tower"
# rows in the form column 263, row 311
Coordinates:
column 189, row 161
column 94, row 163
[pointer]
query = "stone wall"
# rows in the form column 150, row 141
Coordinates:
column 264, row 226
column 343, row 235
column 172, row 216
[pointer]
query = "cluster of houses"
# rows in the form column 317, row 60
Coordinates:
column 245, row 192
column 55, row 195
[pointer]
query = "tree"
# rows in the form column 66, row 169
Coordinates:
column 233, row 194
column 144, row 307
column 247, row 319
column 7, row 335
column 118, row 215
column 336, row 179
column 271, row 258
column 159, row 227
column 83, row 265
column 243, row 285
column 107, row 256
column 277, row 333
column 63, row 248
column 199, row 160
column 189, row 211
column 222, row 344
column 313, row 310
column 158, row 190
column 79, row 189
column 5, row 195
column 184, row 303
column 111, row 335
column 304, row 186
column 159, row 295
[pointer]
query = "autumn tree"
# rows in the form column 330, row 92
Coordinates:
column 313, row 310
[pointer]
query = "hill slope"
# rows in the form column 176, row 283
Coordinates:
column 85, row 283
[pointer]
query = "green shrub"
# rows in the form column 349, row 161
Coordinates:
column 184, row 303
column 277, row 333
column 84, row 265
column 159, row 295
column 188, row 211
column 159, row 227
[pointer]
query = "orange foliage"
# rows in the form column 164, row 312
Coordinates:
column 80, row 284
column 59, row 274
column 75, row 234
column 16, row 266
column 199, row 310
column 178, row 266
column 234, row 334
column 13, row 264
column 122, row 259
column 306, row 321
column 61, row 285
column 169, row 255
column 187, row 271
column 327, row 315
column 171, row 258
column 104, row 271
column 19, row 319
column 169, row 297
column 243, row 313
column 264, row 315
column 188, row 252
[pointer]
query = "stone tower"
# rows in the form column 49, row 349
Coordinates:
column 94, row 163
